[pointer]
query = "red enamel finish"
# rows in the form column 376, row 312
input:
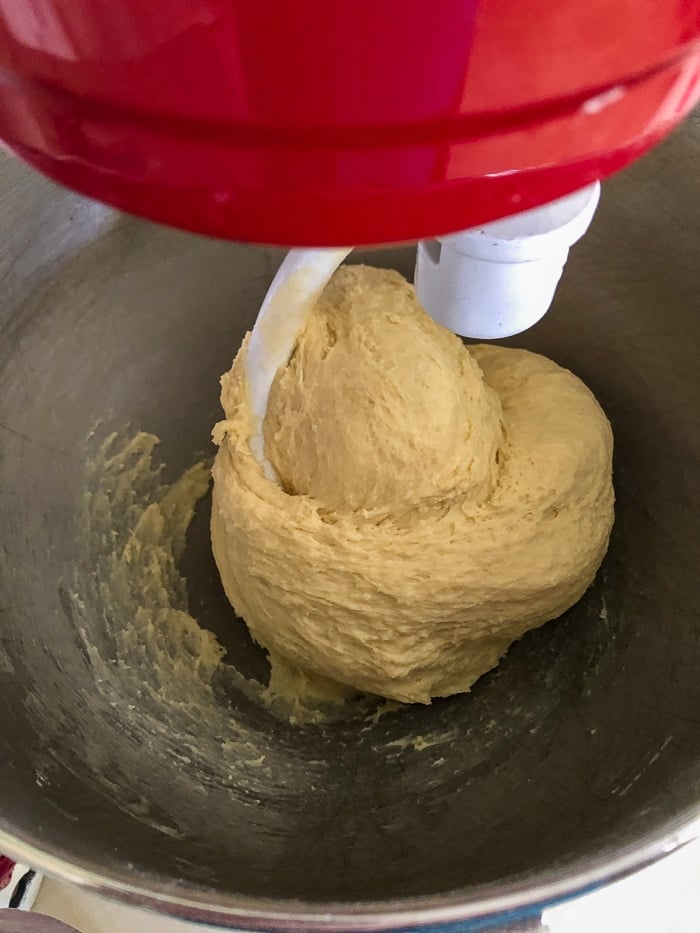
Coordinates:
column 327, row 122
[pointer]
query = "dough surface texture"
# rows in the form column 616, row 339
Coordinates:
column 435, row 502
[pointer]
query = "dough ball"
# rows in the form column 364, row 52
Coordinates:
column 380, row 407
column 436, row 502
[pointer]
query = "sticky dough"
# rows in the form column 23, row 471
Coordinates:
column 434, row 502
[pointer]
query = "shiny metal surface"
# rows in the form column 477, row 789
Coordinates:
column 576, row 761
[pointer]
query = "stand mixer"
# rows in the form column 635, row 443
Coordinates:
column 476, row 128
column 326, row 124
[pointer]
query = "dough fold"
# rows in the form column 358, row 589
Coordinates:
column 435, row 501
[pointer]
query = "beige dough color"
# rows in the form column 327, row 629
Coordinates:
column 434, row 502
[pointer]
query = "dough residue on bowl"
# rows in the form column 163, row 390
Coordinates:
column 168, row 717
column 434, row 501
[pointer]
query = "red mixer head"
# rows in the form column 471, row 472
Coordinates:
column 324, row 122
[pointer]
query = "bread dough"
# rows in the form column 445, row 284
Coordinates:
column 435, row 501
column 379, row 407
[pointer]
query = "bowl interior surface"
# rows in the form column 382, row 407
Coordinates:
column 120, row 754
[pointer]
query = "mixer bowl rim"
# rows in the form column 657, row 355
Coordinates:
column 203, row 905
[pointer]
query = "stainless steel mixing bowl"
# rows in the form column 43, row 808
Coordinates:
column 576, row 760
